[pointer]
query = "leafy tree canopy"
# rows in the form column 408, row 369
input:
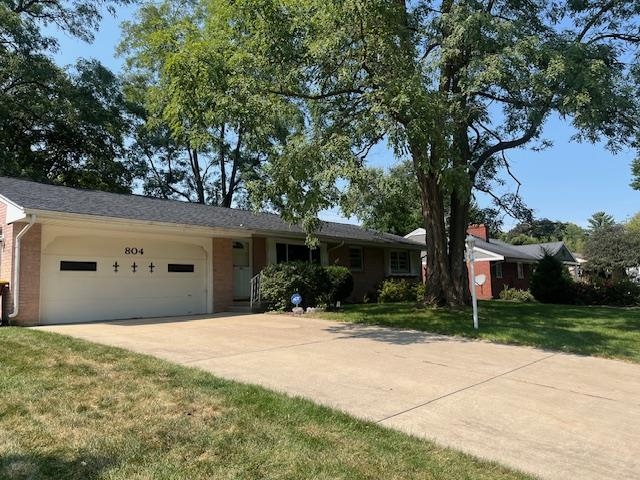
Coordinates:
column 390, row 202
column 545, row 230
column 633, row 225
column 59, row 126
column 635, row 172
column 612, row 248
column 452, row 85
column 203, row 127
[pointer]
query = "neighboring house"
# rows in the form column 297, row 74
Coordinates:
column 87, row 255
column 499, row 264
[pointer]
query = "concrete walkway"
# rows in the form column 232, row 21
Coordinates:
column 554, row 415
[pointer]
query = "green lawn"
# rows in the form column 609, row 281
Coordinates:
column 599, row 331
column 75, row 410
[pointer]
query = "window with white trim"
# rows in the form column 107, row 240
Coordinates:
column 499, row 270
column 520, row 270
column 291, row 252
column 399, row 262
column 356, row 262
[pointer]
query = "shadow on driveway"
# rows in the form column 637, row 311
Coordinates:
column 393, row 336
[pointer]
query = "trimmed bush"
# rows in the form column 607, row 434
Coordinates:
column 395, row 290
column 516, row 295
column 282, row 280
column 624, row 293
column 551, row 282
column 341, row 283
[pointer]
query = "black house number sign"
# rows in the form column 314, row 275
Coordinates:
column 133, row 251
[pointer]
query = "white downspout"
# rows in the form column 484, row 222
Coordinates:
column 16, row 267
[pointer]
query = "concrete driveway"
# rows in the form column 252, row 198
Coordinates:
column 555, row 415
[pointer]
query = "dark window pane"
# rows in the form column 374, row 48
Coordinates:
column 315, row 256
column 68, row 266
column 355, row 258
column 298, row 253
column 281, row 252
column 180, row 267
column 400, row 262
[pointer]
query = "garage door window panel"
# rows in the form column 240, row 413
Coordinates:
column 181, row 268
column 74, row 266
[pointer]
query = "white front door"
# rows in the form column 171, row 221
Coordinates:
column 241, row 270
column 87, row 278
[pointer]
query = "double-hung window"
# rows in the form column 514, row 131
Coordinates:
column 356, row 262
column 399, row 262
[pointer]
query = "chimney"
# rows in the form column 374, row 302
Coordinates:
column 480, row 231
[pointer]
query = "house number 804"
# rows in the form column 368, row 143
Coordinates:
column 133, row 251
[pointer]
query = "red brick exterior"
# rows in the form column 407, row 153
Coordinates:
column 222, row 258
column 259, row 254
column 479, row 231
column 483, row 291
column 510, row 278
column 374, row 269
column 30, row 252
column 493, row 285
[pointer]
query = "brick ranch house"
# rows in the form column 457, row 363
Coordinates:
column 499, row 264
column 78, row 255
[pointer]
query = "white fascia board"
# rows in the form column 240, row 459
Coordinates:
column 14, row 211
column 50, row 217
column 482, row 255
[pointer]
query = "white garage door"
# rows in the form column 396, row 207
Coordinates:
column 87, row 278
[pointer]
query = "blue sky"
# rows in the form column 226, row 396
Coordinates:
column 566, row 182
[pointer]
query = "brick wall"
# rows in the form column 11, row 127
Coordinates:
column 479, row 231
column 483, row 291
column 259, row 254
column 510, row 278
column 30, row 252
column 222, row 274
column 373, row 272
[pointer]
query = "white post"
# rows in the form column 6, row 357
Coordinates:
column 471, row 243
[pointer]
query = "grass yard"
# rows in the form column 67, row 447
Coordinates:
column 75, row 410
column 599, row 331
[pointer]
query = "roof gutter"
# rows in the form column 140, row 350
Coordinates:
column 16, row 267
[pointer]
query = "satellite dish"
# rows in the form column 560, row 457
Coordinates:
column 481, row 279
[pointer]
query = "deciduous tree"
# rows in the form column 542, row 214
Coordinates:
column 452, row 85
column 203, row 127
column 57, row 125
column 612, row 249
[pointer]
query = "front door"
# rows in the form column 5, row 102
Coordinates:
column 241, row 270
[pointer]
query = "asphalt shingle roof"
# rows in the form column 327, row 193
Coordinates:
column 537, row 250
column 51, row 198
column 508, row 251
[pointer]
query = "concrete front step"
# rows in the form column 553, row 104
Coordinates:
column 242, row 307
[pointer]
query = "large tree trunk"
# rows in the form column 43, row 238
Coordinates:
column 447, row 282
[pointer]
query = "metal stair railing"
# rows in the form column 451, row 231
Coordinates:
column 256, row 290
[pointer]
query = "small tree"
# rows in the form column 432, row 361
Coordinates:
column 551, row 282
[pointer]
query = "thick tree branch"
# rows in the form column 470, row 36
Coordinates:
column 594, row 20
column 506, row 145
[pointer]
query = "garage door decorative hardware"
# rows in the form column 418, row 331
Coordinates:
column 151, row 267
column 134, row 267
column 115, row 267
